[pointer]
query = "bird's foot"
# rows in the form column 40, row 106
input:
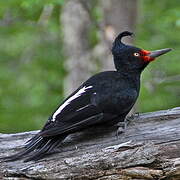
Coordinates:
column 122, row 126
column 132, row 116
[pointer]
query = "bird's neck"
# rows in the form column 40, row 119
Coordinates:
column 132, row 76
column 127, row 70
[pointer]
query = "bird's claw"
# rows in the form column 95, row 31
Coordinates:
column 122, row 126
column 131, row 117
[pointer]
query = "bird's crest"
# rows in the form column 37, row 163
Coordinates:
column 118, row 45
column 123, row 34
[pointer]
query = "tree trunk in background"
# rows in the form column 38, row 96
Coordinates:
column 118, row 15
column 75, row 23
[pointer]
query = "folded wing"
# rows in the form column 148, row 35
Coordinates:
column 75, row 113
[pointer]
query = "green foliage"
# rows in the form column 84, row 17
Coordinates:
column 32, row 72
column 159, row 28
column 95, row 16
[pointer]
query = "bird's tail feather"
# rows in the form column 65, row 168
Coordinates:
column 36, row 148
column 45, row 149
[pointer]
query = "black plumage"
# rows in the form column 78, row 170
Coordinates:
column 105, row 98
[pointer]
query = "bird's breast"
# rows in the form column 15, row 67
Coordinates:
column 116, row 101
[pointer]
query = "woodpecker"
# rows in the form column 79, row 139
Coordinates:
column 104, row 99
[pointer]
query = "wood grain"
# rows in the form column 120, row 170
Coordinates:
column 149, row 149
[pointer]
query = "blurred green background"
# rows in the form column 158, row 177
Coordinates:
column 32, row 66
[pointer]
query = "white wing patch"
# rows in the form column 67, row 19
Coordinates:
column 79, row 93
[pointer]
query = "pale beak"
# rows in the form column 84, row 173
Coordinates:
column 154, row 54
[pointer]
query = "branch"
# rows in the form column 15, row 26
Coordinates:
column 149, row 149
column 45, row 14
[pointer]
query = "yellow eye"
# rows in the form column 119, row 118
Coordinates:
column 136, row 54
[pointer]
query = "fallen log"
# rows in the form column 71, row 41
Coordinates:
column 148, row 149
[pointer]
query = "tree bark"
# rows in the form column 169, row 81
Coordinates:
column 149, row 149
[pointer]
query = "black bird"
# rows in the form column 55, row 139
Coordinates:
column 105, row 98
